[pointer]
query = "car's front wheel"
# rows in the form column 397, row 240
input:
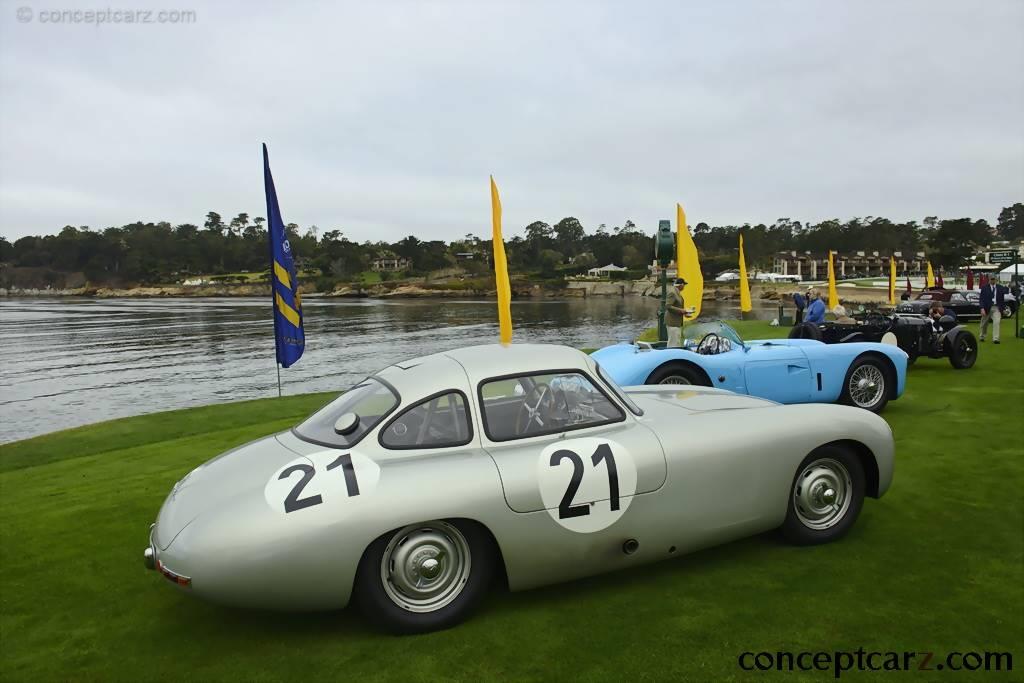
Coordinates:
column 679, row 373
column 866, row 385
column 425, row 577
column 826, row 496
column 963, row 350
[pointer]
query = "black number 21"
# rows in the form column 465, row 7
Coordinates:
column 565, row 508
column 292, row 502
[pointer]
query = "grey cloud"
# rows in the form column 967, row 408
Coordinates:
column 385, row 119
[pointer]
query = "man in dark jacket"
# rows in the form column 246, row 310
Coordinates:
column 993, row 297
column 800, row 302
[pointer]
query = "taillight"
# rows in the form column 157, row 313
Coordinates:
column 173, row 577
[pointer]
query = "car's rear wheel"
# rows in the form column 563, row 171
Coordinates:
column 678, row 373
column 426, row 576
column 1007, row 311
column 866, row 385
column 963, row 350
column 826, row 496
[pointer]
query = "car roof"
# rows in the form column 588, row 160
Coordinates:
column 462, row 369
column 493, row 360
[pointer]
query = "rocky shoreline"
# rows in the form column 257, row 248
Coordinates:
column 572, row 289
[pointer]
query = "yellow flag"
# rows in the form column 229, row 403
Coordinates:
column 745, row 305
column 929, row 281
column 501, row 270
column 833, row 298
column 892, row 281
column 688, row 265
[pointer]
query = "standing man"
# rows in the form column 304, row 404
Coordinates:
column 993, row 296
column 800, row 302
column 815, row 307
column 674, row 313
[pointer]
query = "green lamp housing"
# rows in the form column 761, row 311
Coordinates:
column 664, row 252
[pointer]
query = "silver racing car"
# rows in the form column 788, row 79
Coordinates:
column 414, row 489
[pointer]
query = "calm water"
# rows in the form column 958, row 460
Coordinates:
column 67, row 362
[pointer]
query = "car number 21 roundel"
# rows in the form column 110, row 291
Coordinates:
column 586, row 484
column 318, row 485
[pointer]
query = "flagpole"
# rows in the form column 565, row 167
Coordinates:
column 270, row 249
column 285, row 297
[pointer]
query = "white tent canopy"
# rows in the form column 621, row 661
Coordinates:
column 603, row 270
column 1006, row 274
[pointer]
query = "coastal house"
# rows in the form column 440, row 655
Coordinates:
column 655, row 269
column 814, row 266
column 390, row 263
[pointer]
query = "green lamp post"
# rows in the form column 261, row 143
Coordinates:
column 664, row 252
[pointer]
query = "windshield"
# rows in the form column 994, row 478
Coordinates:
column 692, row 334
column 370, row 400
column 618, row 391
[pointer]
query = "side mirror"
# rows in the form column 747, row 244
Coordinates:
column 346, row 424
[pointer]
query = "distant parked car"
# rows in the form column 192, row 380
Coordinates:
column 965, row 303
column 785, row 370
column 912, row 333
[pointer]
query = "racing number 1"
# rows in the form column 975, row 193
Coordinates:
column 565, row 508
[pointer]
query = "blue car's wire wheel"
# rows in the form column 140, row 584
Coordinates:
column 866, row 385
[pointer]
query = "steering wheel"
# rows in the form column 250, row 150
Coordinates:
column 533, row 418
column 709, row 344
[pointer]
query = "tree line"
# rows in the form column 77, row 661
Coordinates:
column 160, row 252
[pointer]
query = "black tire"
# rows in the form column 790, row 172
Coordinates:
column 963, row 350
column 805, row 331
column 874, row 370
column 810, row 482
column 374, row 601
column 679, row 373
column 1007, row 311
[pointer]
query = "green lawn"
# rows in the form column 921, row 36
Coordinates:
column 936, row 565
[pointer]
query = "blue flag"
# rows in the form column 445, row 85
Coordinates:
column 289, row 337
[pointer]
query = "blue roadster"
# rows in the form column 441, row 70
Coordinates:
column 863, row 374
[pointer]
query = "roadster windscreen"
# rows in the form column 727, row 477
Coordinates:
column 371, row 401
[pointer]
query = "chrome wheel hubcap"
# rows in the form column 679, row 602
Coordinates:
column 674, row 379
column 822, row 492
column 867, row 386
column 425, row 566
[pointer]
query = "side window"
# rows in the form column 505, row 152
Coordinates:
column 544, row 403
column 437, row 422
column 957, row 299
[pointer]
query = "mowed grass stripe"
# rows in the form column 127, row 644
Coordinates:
column 935, row 565
column 155, row 428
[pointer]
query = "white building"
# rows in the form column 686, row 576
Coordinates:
column 604, row 271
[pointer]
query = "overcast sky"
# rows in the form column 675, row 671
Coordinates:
column 385, row 118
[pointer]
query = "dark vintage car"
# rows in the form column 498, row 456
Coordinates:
column 915, row 334
column 965, row 303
